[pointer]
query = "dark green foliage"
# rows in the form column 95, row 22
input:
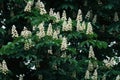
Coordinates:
column 76, row 62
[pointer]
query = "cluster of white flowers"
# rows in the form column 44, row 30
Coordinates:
column 56, row 15
column 67, row 25
column 89, row 29
column 28, row 6
column 94, row 19
column 3, row 67
column 41, row 32
column 118, row 77
column 79, row 15
column 14, row 32
column 91, row 53
column 95, row 75
column 50, row 51
column 92, row 65
column 88, row 15
column 26, row 33
column 80, row 26
column 51, row 12
column 41, row 7
column 21, row 76
column 28, row 44
column 112, row 43
column 64, row 17
column 64, row 44
column 116, row 17
column 3, row 27
column 110, row 62
column 55, row 35
column 50, row 30
column 87, row 75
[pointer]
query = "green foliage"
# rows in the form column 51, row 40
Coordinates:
column 52, row 66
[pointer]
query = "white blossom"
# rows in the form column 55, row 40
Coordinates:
column 33, row 68
column 50, row 30
column 69, row 24
column 28, row 6
column 28, row 44
column 79, row 15
column 95, row 75
column 118, row 77
column 116, row 17
column 41, row 32
column 64, row 43
column 94, row 19
column 3, row 27
column 21, row 76
column 14, row 32
column 4, row 67
column 55, row 35
column 64, row 26
column 110, row 62
column 58, row 17
column 64, row 17
column 79, row 27
column 83, row 25
column 41, row 7
column 90, row 66
column 91, row 53
column 88, row 15
column 26, row 33
column 51, row 12
column 89, row 29
column 87, row 75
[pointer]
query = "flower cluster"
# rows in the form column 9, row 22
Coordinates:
column 88, row 15
column 94, row 19
column 116, row 18
column 80, row 26
column 109, row 62
column 67, row 25
column 55, row 35
column 41, row 7
column 26, row 33
column 41, row 32
column 92, row 66
column 91, row 53
column 28, row 6
column 21, row 76
column 89, row 29
column 118, row 77
column 79, row 15
column 64, row 17
column 56, row 15
column 28, row 44
column 64, row 44
column 50, row 30
column 3, row 67
column 14, row 32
